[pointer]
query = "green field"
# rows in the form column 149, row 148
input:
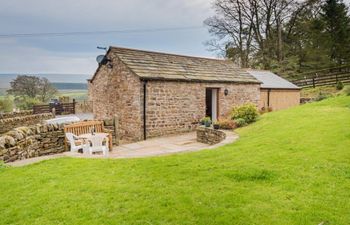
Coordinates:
column 79, row 95
column 290, row 167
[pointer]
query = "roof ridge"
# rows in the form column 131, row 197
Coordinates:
column 171, row 54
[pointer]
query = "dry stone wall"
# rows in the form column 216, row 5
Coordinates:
column 32, row 141
column 9, row 123
column 209, row 135
column 16, row 114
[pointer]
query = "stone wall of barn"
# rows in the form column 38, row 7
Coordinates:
column 116, row 93
column 171, row 106
column 175, row 107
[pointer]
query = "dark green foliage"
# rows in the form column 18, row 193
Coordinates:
column 336, row 22
column 289, row 37
column 339, row 85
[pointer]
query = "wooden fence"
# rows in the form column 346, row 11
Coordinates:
column 59, row 108
column 324, row 77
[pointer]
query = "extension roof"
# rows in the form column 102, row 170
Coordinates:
column 271, row 80
column 150, row 65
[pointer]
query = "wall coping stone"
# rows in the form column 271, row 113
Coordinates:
column 16, row 114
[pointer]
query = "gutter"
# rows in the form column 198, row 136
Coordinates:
column 144, row 110
column 268, row 97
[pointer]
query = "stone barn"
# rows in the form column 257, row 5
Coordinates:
column 276, row 92
column 153, row 94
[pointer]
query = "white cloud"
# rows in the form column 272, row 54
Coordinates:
column 25, row 59
column 77, row 54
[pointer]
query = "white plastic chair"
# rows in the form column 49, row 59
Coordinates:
column 97, row 144
column 72, row 139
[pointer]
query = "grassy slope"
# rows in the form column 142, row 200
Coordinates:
column 291, row 167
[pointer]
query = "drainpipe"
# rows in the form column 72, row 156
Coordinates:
column 144, row 110
column 268, row 97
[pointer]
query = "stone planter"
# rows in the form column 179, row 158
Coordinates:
column 209, row 135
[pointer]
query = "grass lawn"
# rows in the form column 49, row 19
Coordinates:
column 290, row 167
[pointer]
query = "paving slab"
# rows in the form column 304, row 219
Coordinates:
column 152, row 147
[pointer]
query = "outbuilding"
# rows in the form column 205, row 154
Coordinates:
column 153, row 94
column 276, row 93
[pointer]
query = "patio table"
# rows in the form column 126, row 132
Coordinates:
column 88, row 137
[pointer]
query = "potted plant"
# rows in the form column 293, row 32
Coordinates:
column 216, row 125
column 207, row 122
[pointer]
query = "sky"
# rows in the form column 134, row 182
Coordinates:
column 76, row 54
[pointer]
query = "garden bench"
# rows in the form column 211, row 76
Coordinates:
column 85, row 127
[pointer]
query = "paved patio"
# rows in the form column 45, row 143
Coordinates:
column 151, row 147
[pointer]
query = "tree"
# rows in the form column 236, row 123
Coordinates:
column 25, row 85
column 46, row 90
column 233, row 29
column 251, row 29
column 32, row 87
column 337, row 29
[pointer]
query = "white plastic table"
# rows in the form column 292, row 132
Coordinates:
column 88, row 137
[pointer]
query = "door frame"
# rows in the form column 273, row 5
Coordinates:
column 213, row 99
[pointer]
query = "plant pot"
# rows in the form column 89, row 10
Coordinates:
column 207, row 123
column 216, row 126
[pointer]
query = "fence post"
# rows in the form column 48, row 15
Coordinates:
column 54, row 112
column 313, row 82
column 73, row 105
column 116, row 129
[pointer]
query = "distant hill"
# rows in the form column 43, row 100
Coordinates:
column 70, row 86
column 5, row 79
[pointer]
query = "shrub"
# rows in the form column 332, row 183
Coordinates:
column 25, row 103
column 6, row 105
column 339, row 85
column 346, row 90
column 240, row 122
column 206, row 121
column 321, row 96
column 227, row 124
column 248, row 112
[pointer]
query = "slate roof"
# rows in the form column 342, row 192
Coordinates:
column 162, row 66
column 271, row 80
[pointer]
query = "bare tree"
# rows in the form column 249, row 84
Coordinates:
column 232, row 30
column 250, row 27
